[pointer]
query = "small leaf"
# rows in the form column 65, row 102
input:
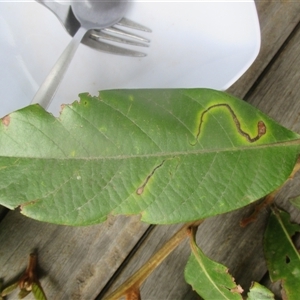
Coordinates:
column 9, row 289
column 208, row 278
column 23, row 293
column 170, row 155
column 28, row 282
column 38, row 292
column 259, row 292
column 283, row 259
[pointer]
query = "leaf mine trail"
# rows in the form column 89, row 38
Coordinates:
column 141, row 188
column 261, row 127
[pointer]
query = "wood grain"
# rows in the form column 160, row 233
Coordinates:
column 77, row 263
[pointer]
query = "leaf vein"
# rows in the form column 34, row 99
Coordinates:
column 133, row 122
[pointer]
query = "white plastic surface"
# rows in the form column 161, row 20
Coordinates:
column 193, row 44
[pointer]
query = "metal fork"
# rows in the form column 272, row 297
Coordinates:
column 95, row 37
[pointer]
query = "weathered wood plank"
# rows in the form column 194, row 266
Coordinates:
column 277, row 20
column 76, row 261
column 221, row 238
column 167, row 279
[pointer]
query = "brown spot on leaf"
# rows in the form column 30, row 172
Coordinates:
column 6, row 120
column 261, row 128
column 27, row 203
column 238, row 289
column 141, row 188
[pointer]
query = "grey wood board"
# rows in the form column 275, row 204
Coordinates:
column 221, row 238
column 78, row 262
column 167, row 281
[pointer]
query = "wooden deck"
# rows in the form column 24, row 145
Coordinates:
column 87, row 262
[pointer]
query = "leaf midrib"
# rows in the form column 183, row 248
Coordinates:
column 165, row 154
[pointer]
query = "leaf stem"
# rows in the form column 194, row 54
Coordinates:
column 136, row 280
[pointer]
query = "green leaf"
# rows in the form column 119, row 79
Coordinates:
column 38, row 292
column 169, row 155
column 23, row 293
column 283, row 259
column 9, row 289
column 208, row 278
column 259, row 292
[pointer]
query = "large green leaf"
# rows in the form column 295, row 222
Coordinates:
column 169, row 155
column 283, row 259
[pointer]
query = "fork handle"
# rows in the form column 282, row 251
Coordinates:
column 47, row 90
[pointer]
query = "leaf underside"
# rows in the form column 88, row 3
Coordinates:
column 172, row 156
column 283, row 259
